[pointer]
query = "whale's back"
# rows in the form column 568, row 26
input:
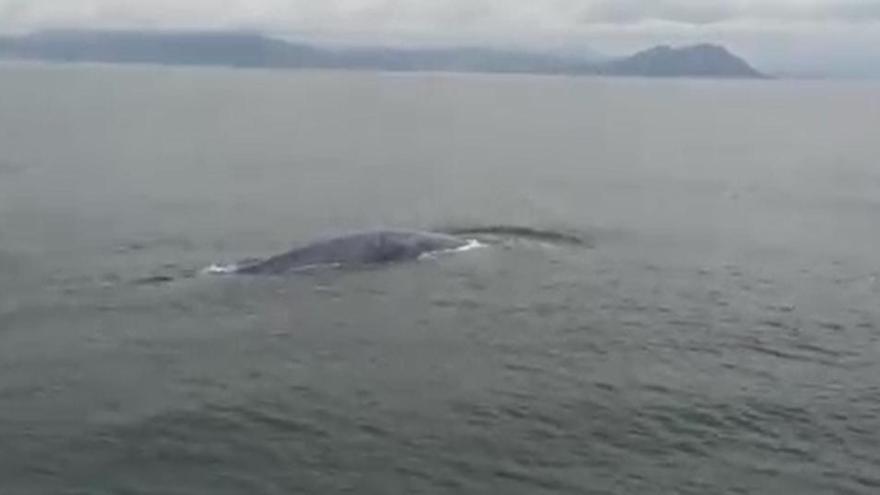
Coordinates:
column 365, row 248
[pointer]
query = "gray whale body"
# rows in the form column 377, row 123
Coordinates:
column 359, row 249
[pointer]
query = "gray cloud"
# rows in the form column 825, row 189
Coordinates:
column 725, row 11
column 632, row 11
column 429, row 15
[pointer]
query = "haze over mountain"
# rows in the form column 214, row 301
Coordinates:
column 243, row 49
column 828, row 38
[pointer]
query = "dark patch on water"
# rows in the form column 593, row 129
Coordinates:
column 170, row 243
column 10, row 168
column 154, row 280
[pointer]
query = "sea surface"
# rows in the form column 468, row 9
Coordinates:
column 716, row 332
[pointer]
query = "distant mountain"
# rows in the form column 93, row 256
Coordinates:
column 693, row 61
column 256, row 50
column 160, row 47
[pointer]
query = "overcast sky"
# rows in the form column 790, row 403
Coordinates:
column 802, row 35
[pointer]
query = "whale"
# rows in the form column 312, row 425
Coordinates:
column 379, row 247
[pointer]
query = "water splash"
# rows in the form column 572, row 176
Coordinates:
column 470, row 246
column 217, row 269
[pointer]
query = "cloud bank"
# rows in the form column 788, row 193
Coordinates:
column 431, row 15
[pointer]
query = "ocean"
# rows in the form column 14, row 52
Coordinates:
column 717, row 330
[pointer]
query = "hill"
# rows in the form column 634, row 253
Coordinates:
column 241, row 49
column 694, row 61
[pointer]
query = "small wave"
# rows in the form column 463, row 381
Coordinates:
column 522, row 232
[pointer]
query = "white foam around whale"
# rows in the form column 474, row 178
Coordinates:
column 216, row 269
column 471, row 245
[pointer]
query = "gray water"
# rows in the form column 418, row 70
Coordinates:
column 718, row 333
